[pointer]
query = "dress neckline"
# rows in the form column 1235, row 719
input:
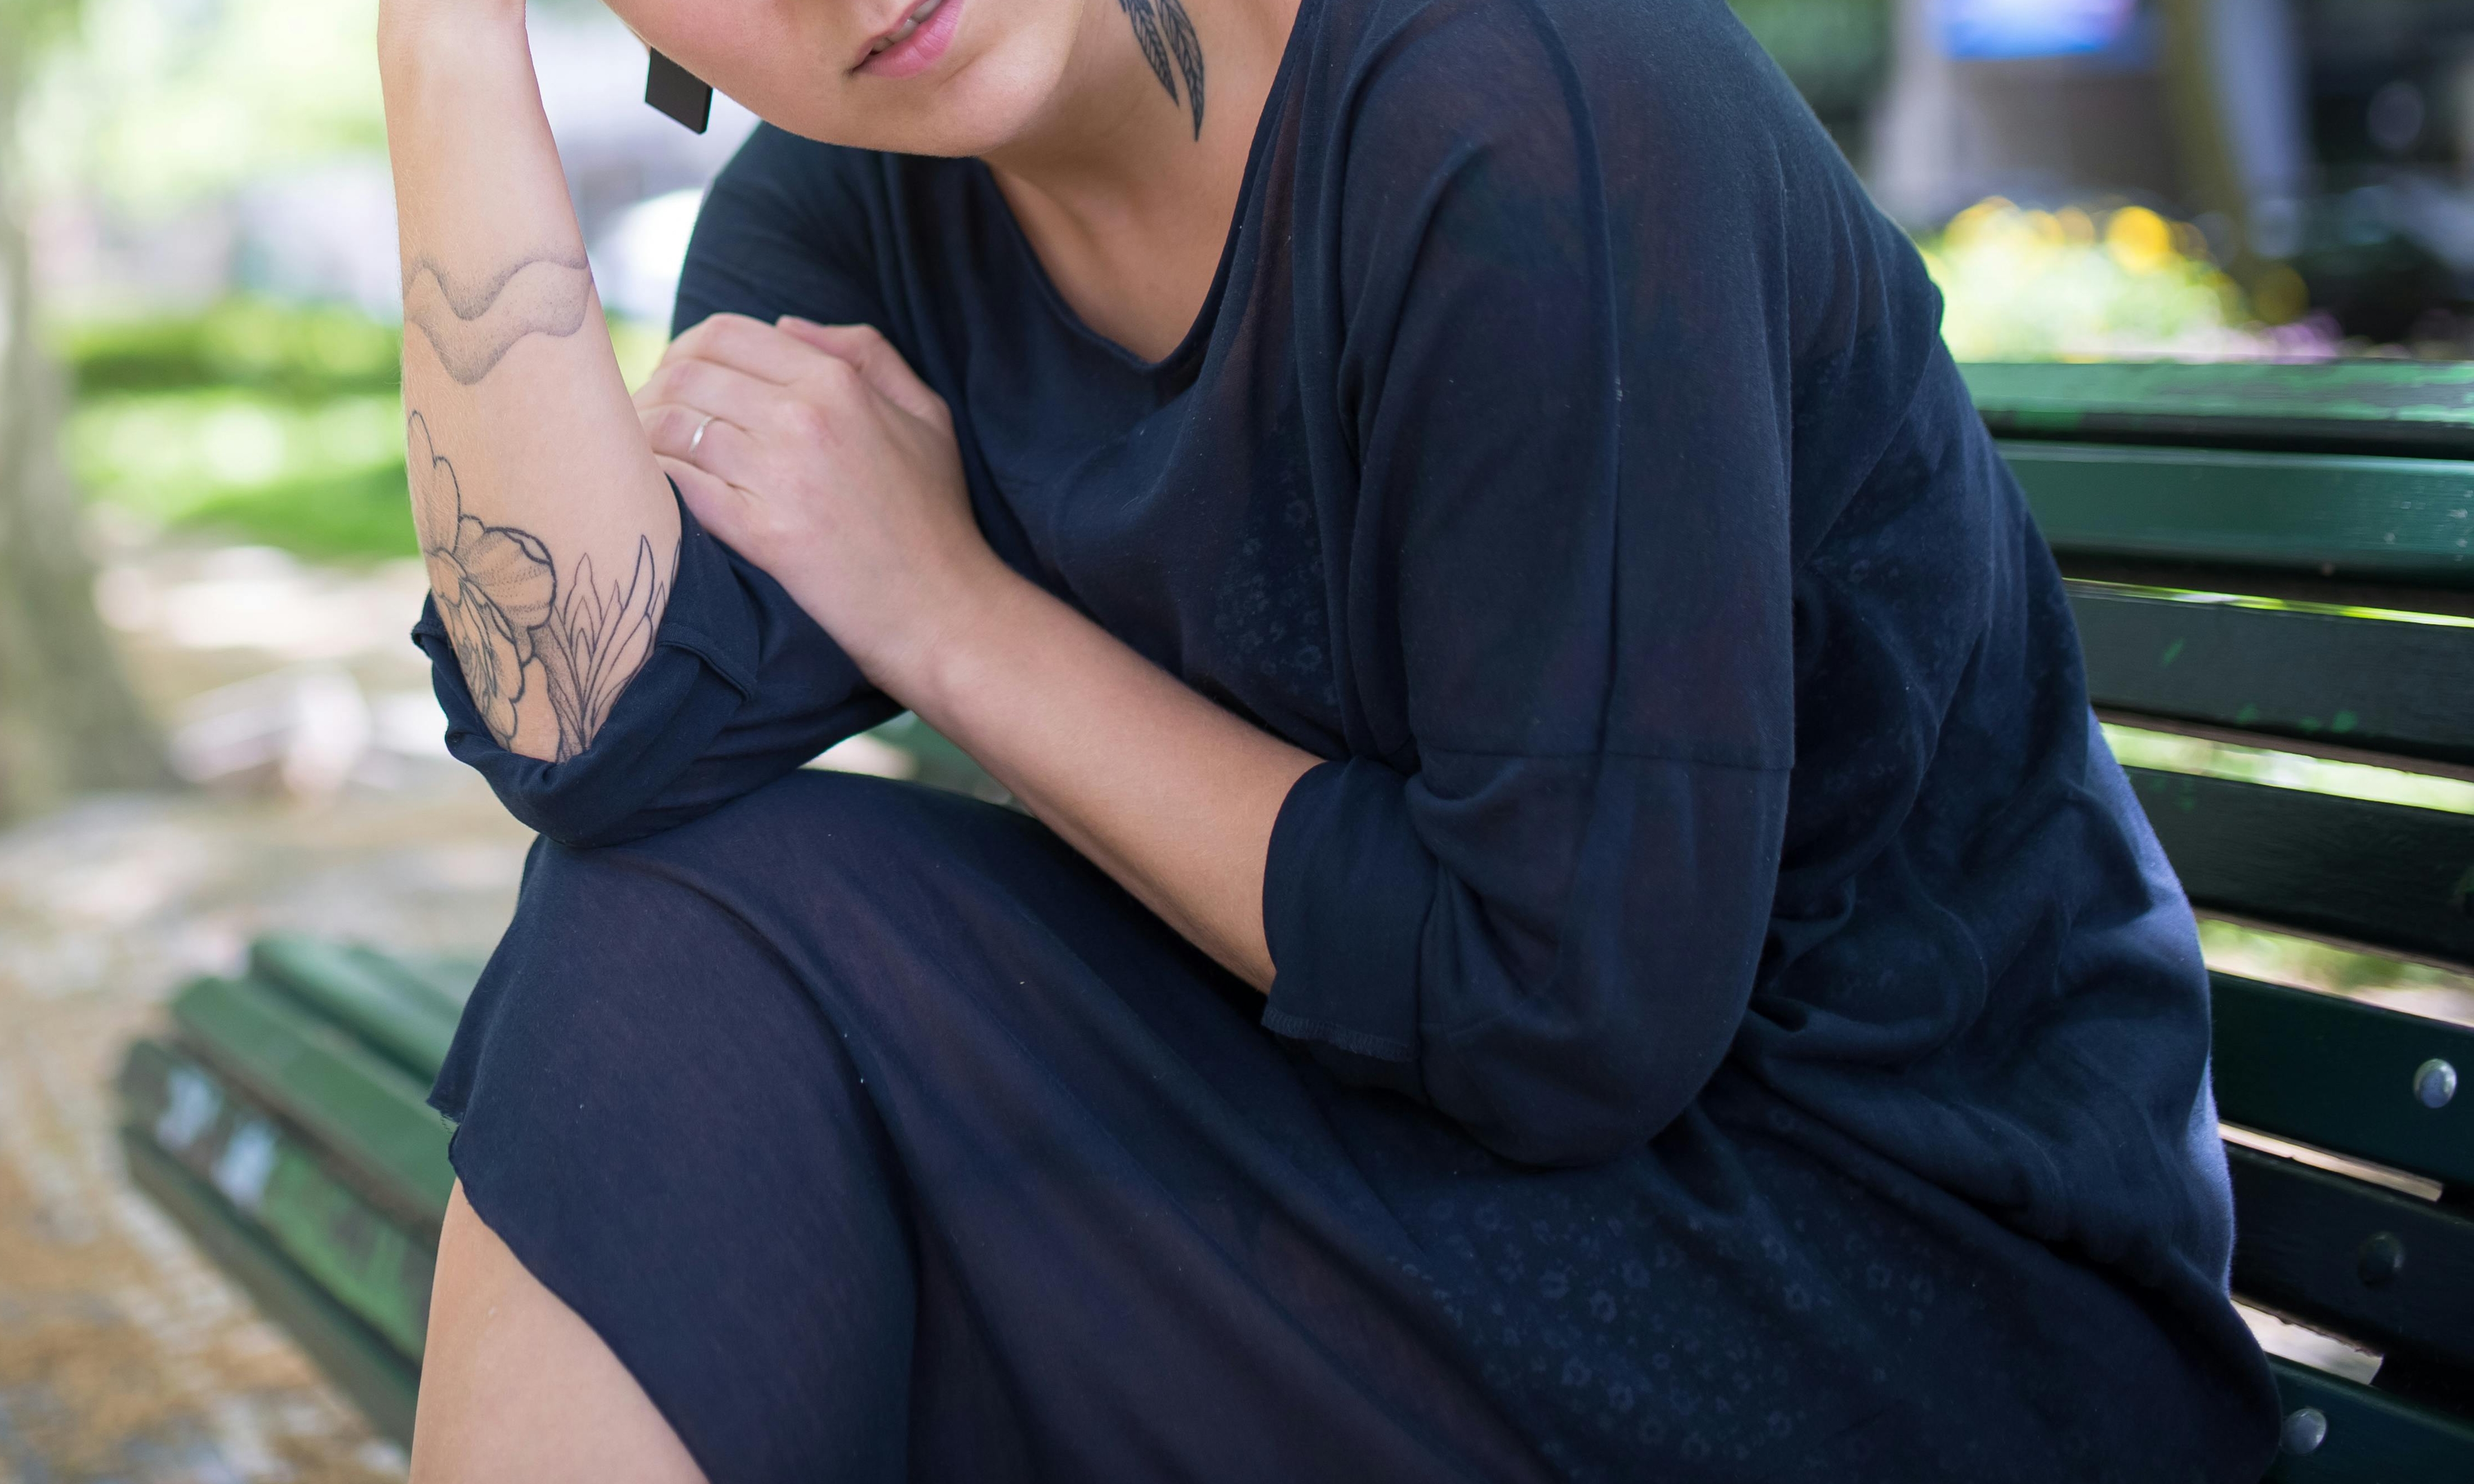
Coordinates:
column 1198, row 335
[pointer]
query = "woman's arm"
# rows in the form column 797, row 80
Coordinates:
column 1167, row 792
column 550, row 535
column 828, row 463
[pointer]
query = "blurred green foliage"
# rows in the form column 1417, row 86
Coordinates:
column 1836, row 51
column 303, row 352
column 155, row 105
column 273, row 423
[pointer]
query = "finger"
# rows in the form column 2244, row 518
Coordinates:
column 746, row 345
column 876, row 361
column 703, row 439
column 707, row 386
column 716, row 503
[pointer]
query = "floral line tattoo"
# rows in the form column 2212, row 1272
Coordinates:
column 1165, row 31
column 497, row 593
column 472, row 327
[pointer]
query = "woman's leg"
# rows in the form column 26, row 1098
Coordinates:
column 515, row 1385
column 670, row 1168
column 881, row 1137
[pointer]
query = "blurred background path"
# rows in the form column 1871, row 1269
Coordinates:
column 123, row 1354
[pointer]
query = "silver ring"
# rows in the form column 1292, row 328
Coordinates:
column 700, row 432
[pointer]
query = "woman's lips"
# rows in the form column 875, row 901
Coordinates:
column 915, row 50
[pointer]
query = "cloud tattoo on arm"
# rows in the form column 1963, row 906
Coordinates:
column 473, row 327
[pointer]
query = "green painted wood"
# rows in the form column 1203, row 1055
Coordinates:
column 2379, row 1267
column 363, row 1109
column 371, row 1264
column 391, row 1009
column 373, row 1375
column 2393, row 406
column 2376, row 684
column 2390, row 520
column 437, row 984
column 2340, row 1074
column 2387, row 875
column 2372, row 1438
column 448, row 979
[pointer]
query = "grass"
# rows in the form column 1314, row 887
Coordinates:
column 272, row 424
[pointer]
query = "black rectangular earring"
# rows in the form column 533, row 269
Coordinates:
column 678, row 93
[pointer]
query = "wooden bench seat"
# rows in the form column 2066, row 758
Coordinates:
column 2282, row 558
column 2274, row 558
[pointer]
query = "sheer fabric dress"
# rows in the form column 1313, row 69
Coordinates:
column 1731, row 1020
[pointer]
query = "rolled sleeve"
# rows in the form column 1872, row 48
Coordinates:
column 1552, row 952
column 1535, row 897
column 741, row 688
column 1346, row 892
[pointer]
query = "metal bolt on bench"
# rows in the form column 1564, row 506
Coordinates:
column 2435, row 1082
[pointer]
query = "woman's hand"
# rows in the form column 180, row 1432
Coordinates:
column 831, row 466
column 826, row 462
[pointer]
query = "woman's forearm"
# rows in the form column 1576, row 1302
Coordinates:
column 1167, row 792
column 551, row 534
column 834, row 468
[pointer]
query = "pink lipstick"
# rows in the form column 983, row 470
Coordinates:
column 915, row 45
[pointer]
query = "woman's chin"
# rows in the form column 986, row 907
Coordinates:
column 977, row 106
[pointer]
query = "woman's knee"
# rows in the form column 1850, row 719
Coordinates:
column 818, row 818
column 622, row 998
column 656, row 1115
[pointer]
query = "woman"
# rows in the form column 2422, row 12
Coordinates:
column 1572, row 920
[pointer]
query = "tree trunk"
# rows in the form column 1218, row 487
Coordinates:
column 68, row 720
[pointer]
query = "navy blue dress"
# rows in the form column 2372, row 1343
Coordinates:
column 1731, row 1020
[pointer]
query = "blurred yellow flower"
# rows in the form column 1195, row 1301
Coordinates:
column 2139, row 240
column 2076, row 284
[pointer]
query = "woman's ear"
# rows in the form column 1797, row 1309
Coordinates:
column 678, row 93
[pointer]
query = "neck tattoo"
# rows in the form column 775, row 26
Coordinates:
column 1165, row 34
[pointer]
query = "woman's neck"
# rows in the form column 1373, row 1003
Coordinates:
column 1127, row 193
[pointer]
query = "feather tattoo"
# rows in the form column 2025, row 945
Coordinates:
column 1165, row 34
column 1187, row 48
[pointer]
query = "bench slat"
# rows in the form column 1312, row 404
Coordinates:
column 2369, row 683
column 384, row 1382
column 2372, row 1438
column 2339, row 1074
column 2362, row 1261
column 2401, row 407
column 396, row 1013
column 369, row 1263
column 2396, row 520
column 2384, row 874
column 448, row 979
column 365, row 1110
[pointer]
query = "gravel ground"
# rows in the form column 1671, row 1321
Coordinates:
column 123, row 1355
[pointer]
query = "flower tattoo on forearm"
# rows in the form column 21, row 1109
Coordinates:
column 498, row 594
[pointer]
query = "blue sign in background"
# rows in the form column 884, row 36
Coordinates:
column 2031, row 28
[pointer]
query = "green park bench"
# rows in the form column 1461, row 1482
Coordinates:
column 2275, row 557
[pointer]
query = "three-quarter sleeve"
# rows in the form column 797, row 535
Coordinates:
column 741, row 686
column 1536, row 894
